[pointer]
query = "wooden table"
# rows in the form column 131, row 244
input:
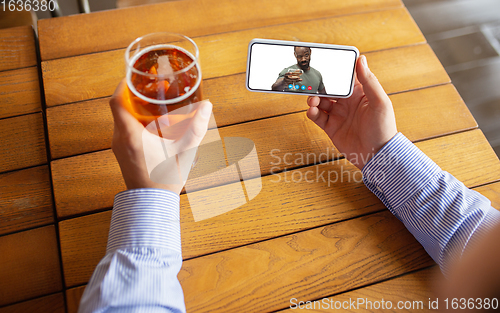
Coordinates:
column 29, row 254
column 303, row 240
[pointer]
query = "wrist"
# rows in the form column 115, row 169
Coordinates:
column 397, row 171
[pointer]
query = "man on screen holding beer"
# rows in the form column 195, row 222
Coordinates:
column 300, row 77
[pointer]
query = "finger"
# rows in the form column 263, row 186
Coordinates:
column 196, row 130
column 119, row 103
column 313, row 101
column 371, row 86
column 324, row 104
column 319, row 117
column 201, row 119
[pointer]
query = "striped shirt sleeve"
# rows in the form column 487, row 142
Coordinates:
column 143, row 257
column 442, row 214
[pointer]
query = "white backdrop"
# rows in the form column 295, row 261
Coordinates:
column 267, row 61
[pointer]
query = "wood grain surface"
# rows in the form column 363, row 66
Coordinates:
column 70, row 230
column 53, row 304
column 88, row 188
column 88, row 126
column 98, row 173
column 17, row 48
column 79, row 127
column 285, row 205
column 29, row 266
column 475, row 146
column 408, row 287
column 83, row 34
column 20, row 92
column 73, row 296
column 331, row 259
column 310, row 264
column 415, row 287
column 22, row 141
column 411, row 290
column 26, row 199
column 77, row 78
column 492, row 192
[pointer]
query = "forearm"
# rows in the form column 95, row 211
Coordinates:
column 143, row 256
column 442, row 214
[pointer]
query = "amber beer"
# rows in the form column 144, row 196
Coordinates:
column 162, row 77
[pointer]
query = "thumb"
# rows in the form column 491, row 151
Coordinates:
column 371, row 86
column 199, row 124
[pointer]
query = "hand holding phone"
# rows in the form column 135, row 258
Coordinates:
column 359, row 126
column 278, row 66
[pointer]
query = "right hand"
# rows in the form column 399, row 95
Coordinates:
column 360, row 125
column 131, row 149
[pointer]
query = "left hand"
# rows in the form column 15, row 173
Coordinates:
column 360, row 125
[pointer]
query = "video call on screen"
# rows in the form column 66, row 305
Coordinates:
column 329, row 68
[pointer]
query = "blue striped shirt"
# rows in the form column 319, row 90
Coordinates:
column 143, row 257
column 436, row 208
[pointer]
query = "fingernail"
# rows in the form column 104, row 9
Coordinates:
column 363, row 60
column 206, row 110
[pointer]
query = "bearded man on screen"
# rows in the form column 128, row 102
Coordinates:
column 300, row 77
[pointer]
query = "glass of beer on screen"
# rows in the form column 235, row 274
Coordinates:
column 163, row 75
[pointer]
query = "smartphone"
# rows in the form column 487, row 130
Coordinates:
column 305, row 68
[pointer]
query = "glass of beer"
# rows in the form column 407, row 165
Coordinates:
column 163, row 75
column 164, row 83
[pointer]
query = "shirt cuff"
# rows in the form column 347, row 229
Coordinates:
column 398, row 171
column 145, row 218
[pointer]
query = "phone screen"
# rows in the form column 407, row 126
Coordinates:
column 288, row 68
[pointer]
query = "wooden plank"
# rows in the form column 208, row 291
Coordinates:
column 26, row 199
column 336, row 258
column 74, row 79
column 68, row 229
column 10, row 19
column 20, row 92
column 283, row 206
column 79, row 127
column 53, row 303
column 73, row 296
column 87, row 126
column 431, row 112
column 475, row 146
column 29, row 266
column 99, row 177
column 108, row 30
column 492, row 192
column 23, row 142
column 17, row 48
column 408, row 293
